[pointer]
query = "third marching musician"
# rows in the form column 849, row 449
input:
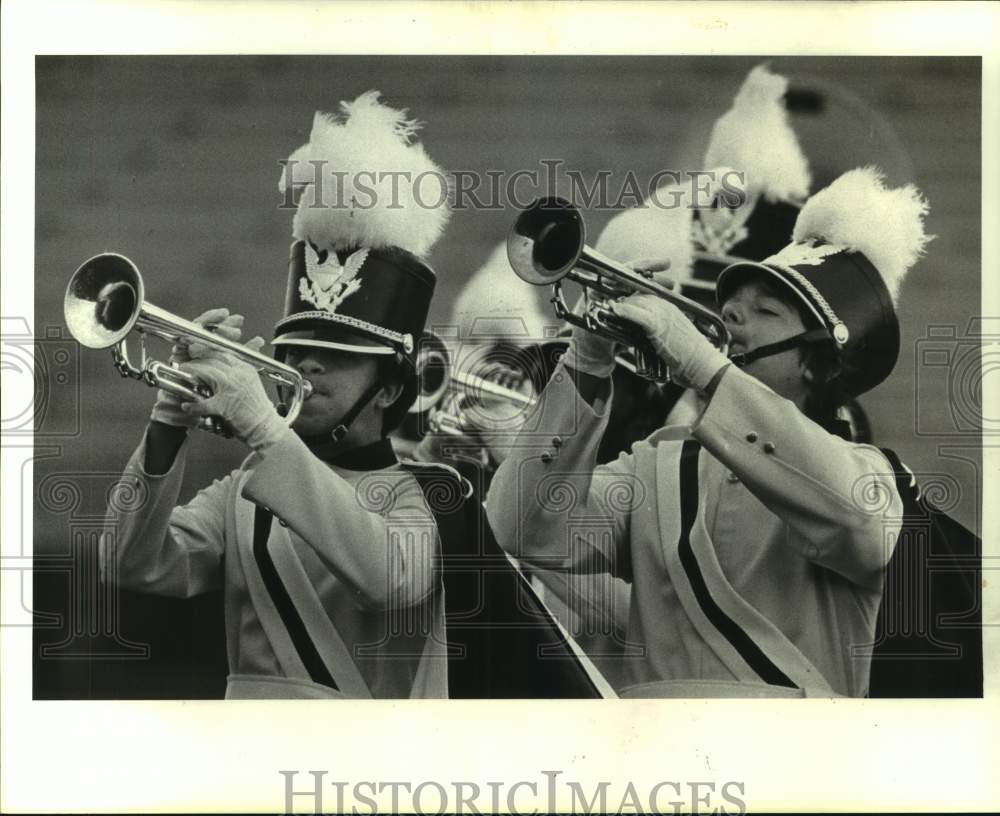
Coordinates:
column 755, row 536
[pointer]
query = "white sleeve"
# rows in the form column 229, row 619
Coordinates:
column 839, row 496
column 149, row 545
column 550, row 504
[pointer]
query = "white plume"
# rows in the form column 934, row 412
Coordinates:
column 859, row 213
column 755, row 138
column 659, row 229
column 496, row 302
column 377, row 187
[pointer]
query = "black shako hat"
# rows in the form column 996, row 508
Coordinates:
column 368, row 301
column 852, row 245
column 371, row 204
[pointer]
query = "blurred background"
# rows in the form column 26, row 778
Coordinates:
column 174, row 162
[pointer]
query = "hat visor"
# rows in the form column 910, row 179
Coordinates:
column 335, row 339
column 330, row 344
column 732, row 277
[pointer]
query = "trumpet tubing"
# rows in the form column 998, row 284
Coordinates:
column 548, row 244
column 105, row 302
column 474, row 386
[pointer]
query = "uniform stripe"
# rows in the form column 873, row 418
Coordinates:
column 510, row 646
column 730, row 630
column 303, row 644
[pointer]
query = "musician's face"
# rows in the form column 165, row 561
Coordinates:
column 338, row 378
column 758, row 314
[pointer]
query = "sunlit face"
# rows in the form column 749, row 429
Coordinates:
column 757, row 314
column 338, row 378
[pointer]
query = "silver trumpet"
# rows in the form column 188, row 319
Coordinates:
column 441, row 389
column 105, row 302
column 548, row 245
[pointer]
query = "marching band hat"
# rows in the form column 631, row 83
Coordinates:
column 753, row 138
column 738, row 217
column 495, row 305
column 852, row 245
column 371, row 204
column 501, row 319
column 366, row 301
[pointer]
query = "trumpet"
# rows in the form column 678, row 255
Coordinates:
column 548, row 245
column 105, row 302
column 441, row 390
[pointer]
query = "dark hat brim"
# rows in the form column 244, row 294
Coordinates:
column 330, row 333
column 735, row 275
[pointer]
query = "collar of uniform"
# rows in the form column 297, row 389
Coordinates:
column 374, row 456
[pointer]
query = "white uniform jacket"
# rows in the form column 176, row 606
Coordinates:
column 755, row 541
column 336, row 600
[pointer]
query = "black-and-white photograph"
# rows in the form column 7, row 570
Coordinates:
column 490, row 377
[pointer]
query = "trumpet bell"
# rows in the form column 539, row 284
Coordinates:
column 546, row 241
column 433, row 367
column 451, row 398
column 103, row 300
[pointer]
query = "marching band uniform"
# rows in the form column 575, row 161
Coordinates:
column 754, row 540
column 699, row 241
column 295, row 636
column 326, row 560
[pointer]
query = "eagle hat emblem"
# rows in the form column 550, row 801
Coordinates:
column 803, row 254
column 719, row 229
column 328, row 283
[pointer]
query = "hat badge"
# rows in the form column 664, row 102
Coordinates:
column 328, row 283
column 719, row 229
column 804, row 254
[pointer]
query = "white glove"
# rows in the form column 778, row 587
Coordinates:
column 238, row 397
column 693, row 361
column 167, row 408
column 593, row 353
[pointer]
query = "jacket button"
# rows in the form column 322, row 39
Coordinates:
column 282, row 522
column 556, row 441
column 732, row 478
column 547, row 457
column 751, row 437
column 768, row 447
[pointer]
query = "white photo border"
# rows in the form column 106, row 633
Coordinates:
column 217, row 757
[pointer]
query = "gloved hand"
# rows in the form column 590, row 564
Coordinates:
column 693, row 361
column 167, row 408
column 593, row 353
column 238, row 397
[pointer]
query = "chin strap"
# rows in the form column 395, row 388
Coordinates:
column 344, row 425
column 743, row 359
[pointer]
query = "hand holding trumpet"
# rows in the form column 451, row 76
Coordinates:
column 693, row 360
column 167, row 408
column 593, row 353
column 238, row 398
